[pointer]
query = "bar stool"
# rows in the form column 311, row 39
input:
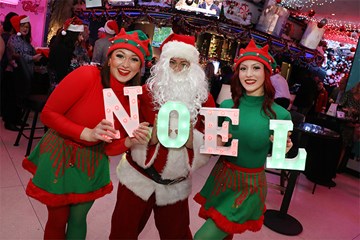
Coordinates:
column 35, row 104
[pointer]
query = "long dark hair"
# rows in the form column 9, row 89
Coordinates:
column 105, row 75
column 237, row 91
column 69, row 39
column 7, row 26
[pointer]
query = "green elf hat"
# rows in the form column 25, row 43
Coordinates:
column 135, row 41
column 252, row 52
column 143, row 36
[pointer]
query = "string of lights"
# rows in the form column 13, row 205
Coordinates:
column 300, row 4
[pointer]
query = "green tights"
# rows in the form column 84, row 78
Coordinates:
column 67, row 222
column 76, row 228
column 209, row 231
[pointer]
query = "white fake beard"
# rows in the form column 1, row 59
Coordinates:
column 188, row 86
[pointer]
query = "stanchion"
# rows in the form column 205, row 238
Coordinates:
column 280, row 221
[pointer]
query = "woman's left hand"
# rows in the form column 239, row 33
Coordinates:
column 104, row 131
column 289, row 143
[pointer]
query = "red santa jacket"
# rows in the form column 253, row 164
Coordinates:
column 170, row 163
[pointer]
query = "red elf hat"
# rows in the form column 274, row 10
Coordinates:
column 252, row 52
column 135, row 41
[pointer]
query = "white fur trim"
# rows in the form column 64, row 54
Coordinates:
column 75, row 28
column 140, row 185
column 177, row 164
column 144, row 187
column 199, row 158
column 108, row 30
column 25, row 20
column 180, row 50
column 170, row 194
column 139, row 153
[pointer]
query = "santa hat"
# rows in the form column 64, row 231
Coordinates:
column 73, row 25
column 111, row 27
column 101, row 29
column 252, row 52
column 135, row 41
column 17, row 20
column 180, row 46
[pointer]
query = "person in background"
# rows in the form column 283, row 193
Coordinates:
column 8, row 30
column 306, row 95
column 101, row 33
column 214, row 83
column 62, row 50
column 102, row 44
column 233, row 197
column 350, row 104
column 338, row 92
column 226, row 74
column 83, row 50
column 21, row 57
column 321, row 99
column 210, row 6
column 154, row 177
column 282, row 93
column 69, row 164
column 2, row 49
column 224, row 83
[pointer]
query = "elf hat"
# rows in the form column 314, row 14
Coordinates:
column 73, row 25
column 180, row 46
column 252, row 52
column 135, row 41
column 17, row 20
column 111, row 27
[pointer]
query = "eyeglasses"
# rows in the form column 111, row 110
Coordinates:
column 179, row 64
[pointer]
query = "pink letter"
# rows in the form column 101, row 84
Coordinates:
column 212, row 130
column 113, row 105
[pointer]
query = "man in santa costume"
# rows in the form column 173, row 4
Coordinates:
column 153, row 177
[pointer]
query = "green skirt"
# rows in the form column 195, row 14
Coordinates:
column 234, row 197
column 66, row 172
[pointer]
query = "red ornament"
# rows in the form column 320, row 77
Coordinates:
column 311, row 13
column 353, row 49
column 278, row 1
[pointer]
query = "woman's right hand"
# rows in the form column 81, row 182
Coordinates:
column 141, row 135
column 219, row 140
column 37, row 57
column 104, row 131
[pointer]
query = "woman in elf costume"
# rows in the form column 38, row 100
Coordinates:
column 233, row 197
column 69, row 164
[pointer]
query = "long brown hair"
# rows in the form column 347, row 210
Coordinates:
column 237, row 91
column 105, row 75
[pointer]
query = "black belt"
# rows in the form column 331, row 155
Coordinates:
column 151, row 173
